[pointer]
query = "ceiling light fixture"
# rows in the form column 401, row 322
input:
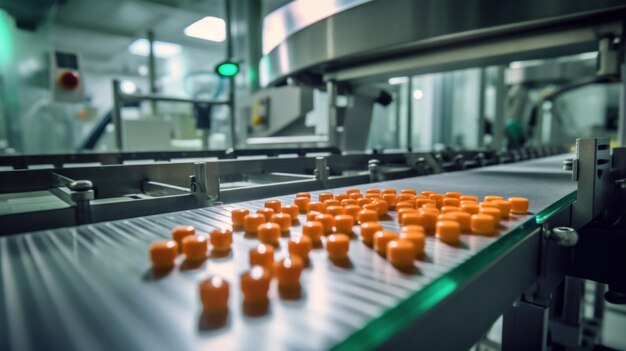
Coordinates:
column 207, row 28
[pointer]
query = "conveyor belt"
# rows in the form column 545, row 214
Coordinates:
column 92, row 288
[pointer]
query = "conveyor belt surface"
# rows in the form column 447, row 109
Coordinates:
column 92, row 288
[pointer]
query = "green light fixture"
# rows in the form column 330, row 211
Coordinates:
column 227, row 69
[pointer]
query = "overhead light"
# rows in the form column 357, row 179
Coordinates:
column 208, row 28
column 162, row 49
column 418, row 94
column 398, row 80
column 128, row 87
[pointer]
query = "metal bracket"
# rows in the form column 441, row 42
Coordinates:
column 322, row 171
column 374, row 168
column 205, row 183
column 82, row 194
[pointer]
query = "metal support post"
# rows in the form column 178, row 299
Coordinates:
column 117, row 116
column 481, row 107
column 231, row 80
column 409, row 114
column 82, row 193
column 152, row 71
column 331, row 87
column 322, row 171
column 500, row 117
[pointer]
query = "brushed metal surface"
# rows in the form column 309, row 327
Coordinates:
column 92, row 288
column 384, row 28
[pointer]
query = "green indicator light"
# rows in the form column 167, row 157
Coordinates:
column 227, row 69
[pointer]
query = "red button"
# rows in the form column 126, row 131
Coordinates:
column 69, row 80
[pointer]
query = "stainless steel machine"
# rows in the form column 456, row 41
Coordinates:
column 74, row 273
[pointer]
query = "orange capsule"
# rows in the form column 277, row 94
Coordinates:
column 391, row 199
column 454, row 194
column 469, row 198
column 401, row 253
column 408, row 191
column 448, row 231
column 221, row 240
column 471, row 208
column 288, row 272
column 341, row 197
column 404, row 204
column 291, row 210
column 274, row 205
column 262, row 255
column 348, row 202
column 163, row 253
column 344, row 224
column 331, row 202
column 383, row 207
column 389, row 191
column 482, row 224
column 447, row 216
column 325, row 196
column 402, row 211
column 406, row 197
column 368, row 229
column 353, row 210
column 427, row 192
column 356, row 196
column 428, row 220
column 328, row 221
column 300, row 246
column 411, row 228
column 374, row 196
column 214, row 293
column 371, row 207
column 430, row 209
column 181, row 231
column 430, row 205
column 418, row 238
column 450, row 201
column 316, row 206
column 381, row 239
column 363, row 201
column 266, row 212
column 251, row 222
column 353, row 191
column 283, row 220
column 420, row 202
column 438, row 199
column 492, row 211
column 335, row 210
column 337, row 246
column 269, row 233
column 307, row 195
column 519, row 205
column 194, row 247
column 302, row 203
column 505, row 207
column 311, row 215
column 255, row 285
column 491, row 204
column 237, row 216
column 314, row 230
column 372, row 191
column 411, row 218
column 490, row 198
column 448, row 209
column 367, row 216
column 463, row 218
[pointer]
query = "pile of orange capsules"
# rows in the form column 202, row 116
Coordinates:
column 334, row 217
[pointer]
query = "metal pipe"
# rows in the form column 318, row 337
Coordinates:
column 117, row 115
column 331, row 88
column 152, row 70
column 499, row 118
column 409, row 113
column 481, row 107
column 149, row 97
column 231, row 80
